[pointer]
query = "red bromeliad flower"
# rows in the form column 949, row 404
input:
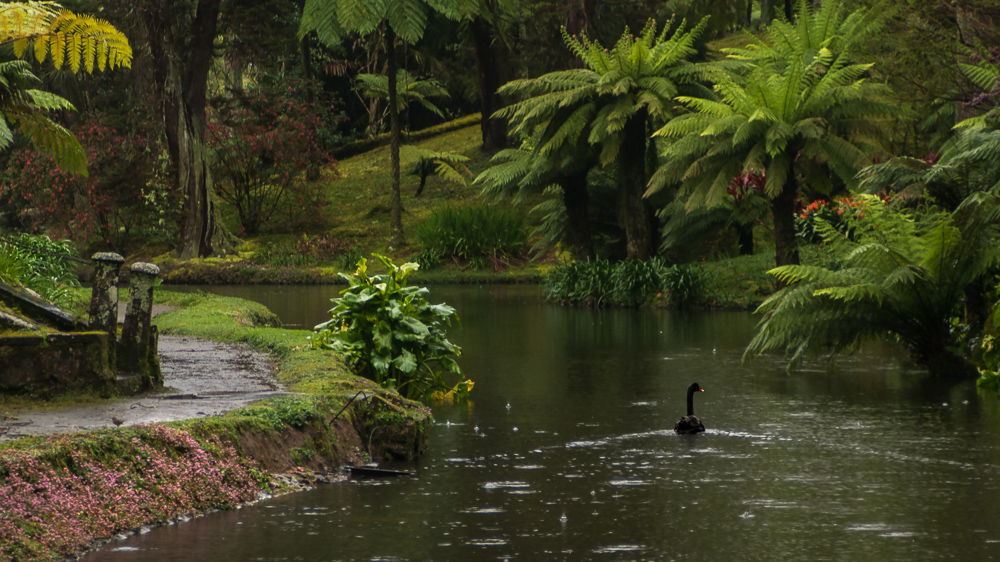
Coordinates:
column 743, row 185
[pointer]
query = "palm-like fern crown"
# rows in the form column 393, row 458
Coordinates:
column 409, row 88
column 517, row 172
column 984, row 72
column 638, row 76
column 968, row 162
column 447, row 165
column 799, row 92
column 332, row 20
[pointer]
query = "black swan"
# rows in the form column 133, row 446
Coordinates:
column 690, row 423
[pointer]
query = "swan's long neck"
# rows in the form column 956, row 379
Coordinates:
column 690, row 402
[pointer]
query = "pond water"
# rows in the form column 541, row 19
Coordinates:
column 566, row 452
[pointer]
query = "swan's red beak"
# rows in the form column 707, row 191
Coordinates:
column 701, row 390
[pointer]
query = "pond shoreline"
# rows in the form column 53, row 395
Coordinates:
column 66, row 494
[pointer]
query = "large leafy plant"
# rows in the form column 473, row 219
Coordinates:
column 391, row 334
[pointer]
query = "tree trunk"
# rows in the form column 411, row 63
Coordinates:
column 935, row 354
column 396, row 236
column 494, row 130
column 786, row 249
column 977, row 305
column 181, row 60
column 744, row 233
column 635, row 209
column 577, row 202
column 307, row 73
column 313, row 170
column 576, row 23
column 789, row 10
column 766, row 12
column 201, row 236
column 743, row 16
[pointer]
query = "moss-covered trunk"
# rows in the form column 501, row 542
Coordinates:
column 577, row 202
column 397, row 237
column 182, row 57
column 635, row 211
column 786, row 249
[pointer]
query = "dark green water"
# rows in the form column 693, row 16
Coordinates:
column 567, row 453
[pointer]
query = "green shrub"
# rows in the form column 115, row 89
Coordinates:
column 628, row 283
column 741, row 282
column 683, row 283
column 41, row 264
column 390, row 334
column 307, row 251
column 350, row 259
column 583, row 282
column 476, row 235
column 282, row 255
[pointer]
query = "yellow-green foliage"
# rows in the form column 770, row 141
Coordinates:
column 65, row 37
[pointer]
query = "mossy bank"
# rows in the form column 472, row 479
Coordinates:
column 63, row 493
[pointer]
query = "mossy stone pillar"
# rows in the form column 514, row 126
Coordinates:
column 104, row 298
column 133, row 349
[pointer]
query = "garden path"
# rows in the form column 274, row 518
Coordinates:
column 201, row 378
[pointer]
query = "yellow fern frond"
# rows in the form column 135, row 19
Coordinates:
column 22, row 20
column 79, row 40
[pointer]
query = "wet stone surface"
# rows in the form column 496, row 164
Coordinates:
column 202, row 378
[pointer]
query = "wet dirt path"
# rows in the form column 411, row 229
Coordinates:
column 201, row 378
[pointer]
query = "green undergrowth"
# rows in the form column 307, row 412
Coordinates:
column 737, row 283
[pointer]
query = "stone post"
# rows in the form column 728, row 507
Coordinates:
column 133, row 349
column 104, row 299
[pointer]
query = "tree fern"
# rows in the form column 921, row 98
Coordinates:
column 409, row 88
column 902, row 282
column 619, row 94
column 780, row 105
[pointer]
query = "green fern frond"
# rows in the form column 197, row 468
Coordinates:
column 321, row 17
column 983, row 76
column 53, row 138
column 408, row 19
column 361, row 17
column 566, row 129
column 49, row 101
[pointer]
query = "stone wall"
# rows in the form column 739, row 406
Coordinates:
column 56, row 363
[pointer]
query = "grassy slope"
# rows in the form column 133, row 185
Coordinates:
column 360, row 199
column 358, row 212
